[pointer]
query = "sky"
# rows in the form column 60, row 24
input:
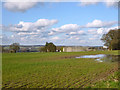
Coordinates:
column 63, row 23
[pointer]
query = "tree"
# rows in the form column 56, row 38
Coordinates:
column 112, row 39
column 43, row 49
column 49, row 47
column 1, row 48
column 61, row 49
column 15, row 47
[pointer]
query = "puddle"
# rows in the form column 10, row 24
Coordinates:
column 98, row 60
column 92, row 56
column 102, row 57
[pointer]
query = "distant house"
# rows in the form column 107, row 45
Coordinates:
column 74, row 48
column 105, row 47
column 96, row 48
column 59, row 48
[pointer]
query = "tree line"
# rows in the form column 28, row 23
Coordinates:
column 15, row 47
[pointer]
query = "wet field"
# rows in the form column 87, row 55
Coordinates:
column 58, row 70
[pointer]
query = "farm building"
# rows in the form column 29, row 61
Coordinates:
column 74, row 49
column 81, row 48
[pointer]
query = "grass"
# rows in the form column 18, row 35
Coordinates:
column 55, row 70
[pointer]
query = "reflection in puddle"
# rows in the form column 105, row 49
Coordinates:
column 92, row 56
column 98, row 60
column 102, row 57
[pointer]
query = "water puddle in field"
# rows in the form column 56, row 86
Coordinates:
column 102, row 57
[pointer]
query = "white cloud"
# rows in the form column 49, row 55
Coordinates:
column 1, row 36
column 1, row 26
column 99, row 24
column 100, row 30
column 81, row 32
column 92, row 31
column 92, row 38
column 111, row 28
column 77, row 38
column 72, row 33
column 55, row 38
column 108, row 3
column 111, row 3
column 88, row 2
column 96, row 36
column 30, row 32
column 45, row 22
column 26, row 33
column 69, row 27
column 24, row 5
column 19, row 6
column 77, row 32
column 74, row 37
column 38, row 26
column 5, row 39
column 72, row 28
column 51, row 33
column 82, row 41
column 26, row 39
column 40, row 31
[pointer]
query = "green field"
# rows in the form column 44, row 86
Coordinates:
column 58, row 70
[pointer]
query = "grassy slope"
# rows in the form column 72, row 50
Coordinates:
column 54, row 69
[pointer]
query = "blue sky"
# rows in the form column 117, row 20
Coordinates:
column 63, row 23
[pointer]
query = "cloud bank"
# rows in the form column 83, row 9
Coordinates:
column 41, row 31
column 19, row 6
column 24, row 5
column 108, row 3
column 39, row 25
column 99, row 23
